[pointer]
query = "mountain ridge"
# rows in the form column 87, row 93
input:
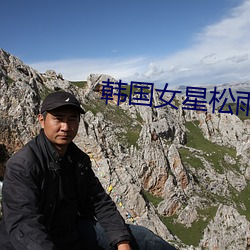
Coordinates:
column 182, row 173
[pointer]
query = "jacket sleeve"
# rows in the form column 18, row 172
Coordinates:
column 106, row 211
column 20, row 207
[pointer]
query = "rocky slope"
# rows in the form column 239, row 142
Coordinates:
column 183, row 174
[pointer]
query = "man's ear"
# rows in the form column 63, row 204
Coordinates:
column 41, row 120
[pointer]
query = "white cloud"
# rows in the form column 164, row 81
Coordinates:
column 238, row 58
column 80, row 69
column 220, row 53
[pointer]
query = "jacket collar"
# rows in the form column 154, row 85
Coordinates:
column 54, row 158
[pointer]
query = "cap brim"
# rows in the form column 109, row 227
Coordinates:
column 55, row 106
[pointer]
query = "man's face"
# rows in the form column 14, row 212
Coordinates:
column 60, row 125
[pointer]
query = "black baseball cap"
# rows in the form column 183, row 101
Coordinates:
column 59, row 99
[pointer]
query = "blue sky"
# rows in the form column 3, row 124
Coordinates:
column 175, row 41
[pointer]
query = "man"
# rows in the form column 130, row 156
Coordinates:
column 51, row 197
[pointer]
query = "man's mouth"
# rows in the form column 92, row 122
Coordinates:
column 64, row 136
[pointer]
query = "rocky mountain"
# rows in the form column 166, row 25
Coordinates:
column 185, row 174
column 229, row 91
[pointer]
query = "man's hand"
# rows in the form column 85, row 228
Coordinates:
column 124, row 246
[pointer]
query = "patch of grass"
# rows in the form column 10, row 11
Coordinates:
column 193, row 234
column 177, row 103
column 242, row 198
column 94, row 106
column 9, row 80
column 155, row 200
column 211, row 152
column 79, row 84
column 131, row 136
column 188, row 157
column 241, row 114
column 44, row 92
column 127, row 91
column 119, row 118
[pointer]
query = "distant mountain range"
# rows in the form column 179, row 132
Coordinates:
column 210, row 88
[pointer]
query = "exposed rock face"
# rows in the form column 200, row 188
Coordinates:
column 228, row 230
column 136, row 150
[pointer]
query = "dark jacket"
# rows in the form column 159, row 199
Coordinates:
column 30, row 191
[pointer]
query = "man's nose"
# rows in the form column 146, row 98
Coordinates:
column 64, row 126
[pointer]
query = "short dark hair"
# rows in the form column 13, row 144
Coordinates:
column 44, row 114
